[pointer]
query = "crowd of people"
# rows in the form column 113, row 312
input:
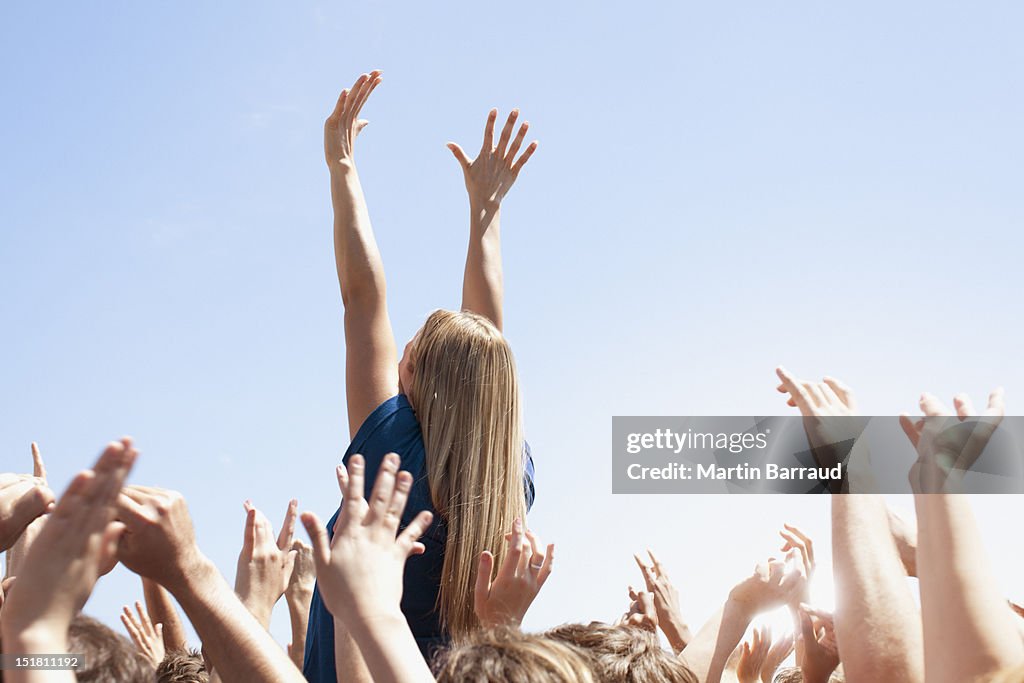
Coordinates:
column 428, row 567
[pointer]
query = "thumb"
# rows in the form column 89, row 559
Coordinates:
column 360, row 124
column 318, row 536
column 483, row 581
column 460, row 155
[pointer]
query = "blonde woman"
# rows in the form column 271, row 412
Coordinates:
column 450, row 408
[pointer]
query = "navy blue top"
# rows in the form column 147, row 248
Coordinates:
column 393, row 428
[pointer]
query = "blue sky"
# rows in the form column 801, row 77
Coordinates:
column 719, row 188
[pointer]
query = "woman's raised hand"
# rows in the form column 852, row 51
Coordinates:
column 490, row 176
column 344, row 124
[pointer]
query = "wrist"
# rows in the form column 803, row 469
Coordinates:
column 740, row 609
column 341, row 168
column 194, row 573
column 36, row 638
column 298, row 601
column 483, row 212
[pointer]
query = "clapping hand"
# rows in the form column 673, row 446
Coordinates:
column 63, row 564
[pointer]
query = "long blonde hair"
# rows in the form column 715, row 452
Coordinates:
column 465, row 392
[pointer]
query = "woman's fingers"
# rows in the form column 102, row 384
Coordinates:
column 460, row 155
column 484, row 571
column 371, row 83
column 506, row 133
column 518, row 166
column 517, row 143
column 488, row 145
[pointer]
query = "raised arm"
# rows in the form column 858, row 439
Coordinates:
column 877, row 624
column 969, row 631
column 770, row 586
column 371, row 362
column 488, row 178
column 159, row 543
column 360, row 569
column 162, row 611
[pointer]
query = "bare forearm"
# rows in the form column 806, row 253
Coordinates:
column 349, row 664
column 708, row 653
column 360, row 269
column 239, row 648
column 298, row 615
column 878, row 626
column 969, row 629
column 483, row 281
column 390, row 651
column 161, row 611
column 28, row 644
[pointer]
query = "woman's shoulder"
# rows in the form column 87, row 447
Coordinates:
column 391, row 427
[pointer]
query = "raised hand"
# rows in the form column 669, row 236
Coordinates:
column 63, row 564
column 753, row 655
column 820, row 652
column 770, row 586
column 829, row 409
column 265, row 564
column 642, row 612
column 159, row 541
column 780, row 649
column 23, row 500
column 298, row 597
column 148, row 638
column 666, row 602
column 946, row 448
column 359, row 571
column 503, row 600
column 490, row 176
column 799, row 546
column 344, row 124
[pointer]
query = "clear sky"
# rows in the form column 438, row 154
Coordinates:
column 719, row 188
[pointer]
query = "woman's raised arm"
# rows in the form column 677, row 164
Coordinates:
column 371, row 364
column 488, row 178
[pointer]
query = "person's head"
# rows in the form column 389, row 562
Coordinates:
column 182, row 666
column 460, row 378
column 509, row 656
column 793, row 674
column 624, row 654
column 106, row 656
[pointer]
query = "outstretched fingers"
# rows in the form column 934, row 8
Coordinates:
column 488, row 144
